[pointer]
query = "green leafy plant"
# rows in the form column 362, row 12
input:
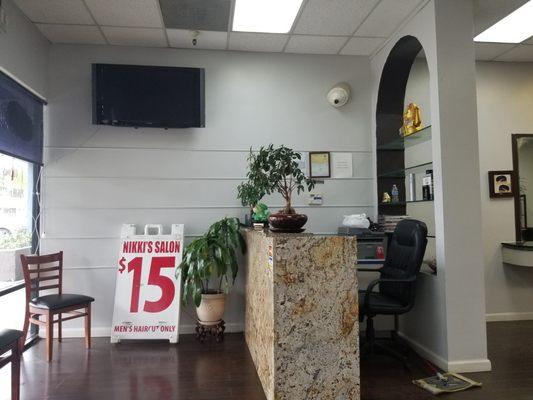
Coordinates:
column 276, row 170
column 211, row 257
column 249, row 194
column 16, row 240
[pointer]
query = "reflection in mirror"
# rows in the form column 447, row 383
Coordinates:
column 523, row 166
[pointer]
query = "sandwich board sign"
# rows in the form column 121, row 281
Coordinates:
column 147, row 292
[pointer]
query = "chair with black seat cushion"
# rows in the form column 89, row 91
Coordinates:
column 46, row 273
column 397, row 282
column 10, row 341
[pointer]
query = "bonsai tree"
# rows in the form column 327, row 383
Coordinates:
column 250, row 195
column 276, row 170
column 210, row 262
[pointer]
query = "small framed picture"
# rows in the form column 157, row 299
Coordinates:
column 501, row 184
column 319, row 164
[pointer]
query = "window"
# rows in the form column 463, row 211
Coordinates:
column 21, row 136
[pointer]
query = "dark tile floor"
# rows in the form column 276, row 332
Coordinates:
column 139, row 371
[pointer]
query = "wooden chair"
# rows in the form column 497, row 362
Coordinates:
column 10, row 339
column 49, row 269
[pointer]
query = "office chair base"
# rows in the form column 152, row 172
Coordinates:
column 378, row 347
column 373, row 345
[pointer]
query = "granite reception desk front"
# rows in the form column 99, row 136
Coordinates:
column 301, row 322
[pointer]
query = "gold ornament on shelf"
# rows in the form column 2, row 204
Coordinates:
column 412, row 122
column 386, row 198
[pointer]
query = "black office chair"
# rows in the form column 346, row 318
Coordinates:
column 10, row 340
column 397, row 281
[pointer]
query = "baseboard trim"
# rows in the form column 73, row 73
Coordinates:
column 106, row 331
column 475, row 365
column 424, row 352
column 465, row 366
column 496, row 317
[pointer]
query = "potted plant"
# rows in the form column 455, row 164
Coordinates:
column 209, row 267
column 276, row 170
column 250, row 195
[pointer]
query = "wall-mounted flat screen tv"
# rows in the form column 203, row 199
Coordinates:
column 148, row 96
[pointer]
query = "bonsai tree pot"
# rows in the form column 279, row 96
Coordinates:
column 287, row 222
column 211, row 308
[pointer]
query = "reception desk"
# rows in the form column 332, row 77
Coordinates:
column 301, row 323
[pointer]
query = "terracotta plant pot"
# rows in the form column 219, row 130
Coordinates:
column 287, row 222
column 211, row 308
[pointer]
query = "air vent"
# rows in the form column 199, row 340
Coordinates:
column 205, row 15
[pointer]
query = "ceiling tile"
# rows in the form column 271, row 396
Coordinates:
column 132, row 13
column 148, row 37
column 361, row 46
column 488, row 12
column 315, row 44
column 81, row 34
column 202, row 15
column 333, row 17
column 209, row 40
column 56, row 11
column 386, row 18
column 268, row 42
column 489, row 51
column 521, row 53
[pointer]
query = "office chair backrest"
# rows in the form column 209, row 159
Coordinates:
column 405, row 252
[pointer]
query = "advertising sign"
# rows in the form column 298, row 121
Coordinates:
column 147, row 292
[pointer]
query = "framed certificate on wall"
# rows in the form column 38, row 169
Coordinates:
column 319, row 164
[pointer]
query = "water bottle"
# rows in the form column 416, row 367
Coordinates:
column 395, row 197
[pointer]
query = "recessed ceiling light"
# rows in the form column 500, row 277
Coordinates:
column 271, row 16
column 515, row 28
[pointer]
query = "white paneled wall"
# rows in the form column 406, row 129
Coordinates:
column 97, row 178
column 23, row 51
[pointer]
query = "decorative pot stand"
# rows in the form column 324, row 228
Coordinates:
column 216, row 330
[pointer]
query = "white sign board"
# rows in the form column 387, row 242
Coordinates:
column 341, row 165
column 147, row 292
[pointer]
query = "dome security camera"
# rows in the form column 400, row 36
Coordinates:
column 339, row 95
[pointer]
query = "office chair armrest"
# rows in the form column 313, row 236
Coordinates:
column 376, row 282
column 369, row 269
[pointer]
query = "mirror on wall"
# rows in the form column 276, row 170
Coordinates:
column 523, row 168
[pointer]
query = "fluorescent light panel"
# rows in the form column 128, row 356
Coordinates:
column 269, row 16
column 515, row 28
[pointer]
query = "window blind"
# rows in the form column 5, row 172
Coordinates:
column 21, row 121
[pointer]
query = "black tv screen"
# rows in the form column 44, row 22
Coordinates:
column 147, row 96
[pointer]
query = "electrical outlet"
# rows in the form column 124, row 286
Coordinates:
column 315, row 199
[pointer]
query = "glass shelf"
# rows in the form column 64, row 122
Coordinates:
column 401, row 173
column 398, row 203
column 423, row 135
column 419, row 201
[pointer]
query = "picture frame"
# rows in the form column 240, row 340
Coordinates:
column 501, row 184
column 319, row 164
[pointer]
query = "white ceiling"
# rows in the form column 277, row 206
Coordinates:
column 346, row 27
column 487, row 13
